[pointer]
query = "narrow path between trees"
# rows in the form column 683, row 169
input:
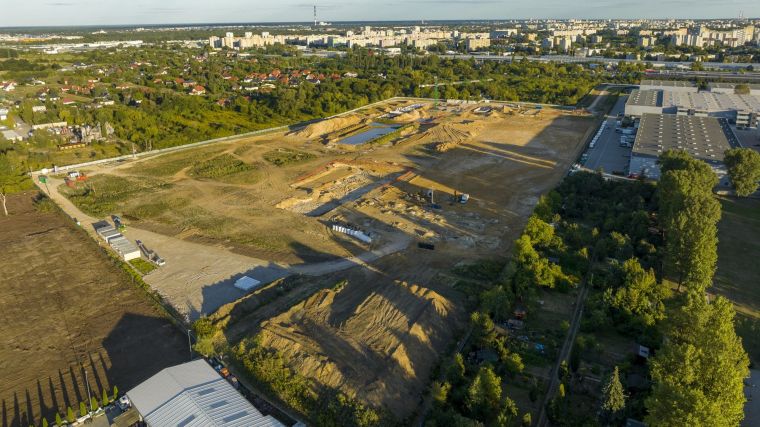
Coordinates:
column 564, row 353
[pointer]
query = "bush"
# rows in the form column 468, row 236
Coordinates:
column 219, row 167
column 143, row 266
column 285, row 156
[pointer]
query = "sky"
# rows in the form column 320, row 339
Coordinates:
column 128, row 12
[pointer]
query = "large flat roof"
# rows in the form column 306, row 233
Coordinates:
column 724, row 85
column 668, row 83
column 646, row 98
column 194, row 395
column 711, row 101
column 704, row 138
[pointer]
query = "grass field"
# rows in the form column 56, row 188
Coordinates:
column 66, row 309
column 738, row 276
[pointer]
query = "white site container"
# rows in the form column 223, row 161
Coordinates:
column 246, row 283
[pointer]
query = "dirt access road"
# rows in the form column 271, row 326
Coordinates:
column 66, row 309
column 198, row 285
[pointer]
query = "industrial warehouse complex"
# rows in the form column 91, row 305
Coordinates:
column 684, row 98
column 704, row 138
column 703, row 120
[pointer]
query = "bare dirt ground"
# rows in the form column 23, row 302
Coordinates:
column 66, row 309
column 377, row 337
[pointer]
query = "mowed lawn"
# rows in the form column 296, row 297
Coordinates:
column 738, row 276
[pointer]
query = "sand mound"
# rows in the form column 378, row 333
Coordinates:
column 319, row 129
column 448, row 136
column 411, row 116
column 345, row 339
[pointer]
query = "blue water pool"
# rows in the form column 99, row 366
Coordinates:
column 376, row 130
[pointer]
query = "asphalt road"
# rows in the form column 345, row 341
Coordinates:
column 607, row 154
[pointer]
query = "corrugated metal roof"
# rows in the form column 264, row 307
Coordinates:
column 194, row 395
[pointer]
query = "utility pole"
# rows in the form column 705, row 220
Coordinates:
column 189, row 344
column 87, row 383
column 435, row 94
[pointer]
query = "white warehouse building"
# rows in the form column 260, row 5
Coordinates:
column 194, row 395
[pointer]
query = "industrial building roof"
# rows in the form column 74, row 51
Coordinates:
column 647, row 98
column 194, row 395
column 723, row 85
column 705, row 138
column 668, row 83
column 710, row 101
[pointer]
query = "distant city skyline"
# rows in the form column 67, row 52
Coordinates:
column 137, row 12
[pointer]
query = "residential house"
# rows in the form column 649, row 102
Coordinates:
column 198, row 90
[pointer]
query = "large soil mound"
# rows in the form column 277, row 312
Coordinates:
column 370, row 344
column 325, row 127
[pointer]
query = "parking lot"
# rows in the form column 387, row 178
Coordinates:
column 607, row 154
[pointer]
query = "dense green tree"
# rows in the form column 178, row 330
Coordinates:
column 440, row 392
column 742, row 89
column 640, row 295
column 12, row 179
column 70, row 415
column 689, row 214
column 744, row 170
column 698, row 373
column 484, row 394
column 539, row 232
column 497, row 302
column 483, row 333
column 456, row 370
column 508, row 413
column 613, row 394
column 532, row 268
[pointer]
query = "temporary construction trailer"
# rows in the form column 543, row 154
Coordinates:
column 126, row 249
column 246, row 283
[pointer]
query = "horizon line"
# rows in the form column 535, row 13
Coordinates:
column 343, row 22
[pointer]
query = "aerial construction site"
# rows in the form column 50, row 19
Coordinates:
column 384, row 202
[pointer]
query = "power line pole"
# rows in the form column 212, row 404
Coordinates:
column 189, row 344
column 89, row 397
column 435, row 94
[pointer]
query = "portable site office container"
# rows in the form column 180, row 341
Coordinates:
column 126, row 249
column 109, row 235
column 246, row 283
column 104, row 229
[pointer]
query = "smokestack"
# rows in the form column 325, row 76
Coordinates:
column 315, row 15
